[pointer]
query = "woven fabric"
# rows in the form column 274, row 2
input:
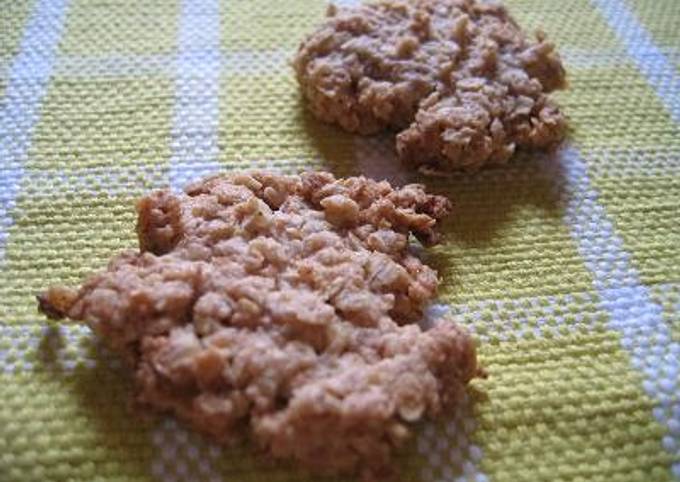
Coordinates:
column 566, row 267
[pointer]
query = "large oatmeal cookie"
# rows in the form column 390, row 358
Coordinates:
column 283, row 307
column 458, row 78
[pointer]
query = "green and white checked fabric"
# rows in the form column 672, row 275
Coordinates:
column 566, row 267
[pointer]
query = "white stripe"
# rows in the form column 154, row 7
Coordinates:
column 347, row 3
column 117, row 181
column 660, row 72
column 262, row 62
column 115, row 65
column 632, row 313
column 530, row 317
column 265, row 62
column 588, row 59
column 180, row 454
column 28, row 78
column 197, row 67
column 259, row 62
column 61, row 347
column 446, row 445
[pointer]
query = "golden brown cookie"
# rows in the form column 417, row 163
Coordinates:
column 457, row 78
column 283, row 307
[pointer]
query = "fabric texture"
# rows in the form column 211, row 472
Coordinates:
column 565, row 266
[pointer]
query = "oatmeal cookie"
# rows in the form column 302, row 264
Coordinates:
column 458, row 78
column 283, row 307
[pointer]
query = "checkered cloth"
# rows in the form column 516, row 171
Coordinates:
column 566, row 267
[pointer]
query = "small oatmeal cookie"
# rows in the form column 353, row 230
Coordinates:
column 283, row 307
column 458, row 78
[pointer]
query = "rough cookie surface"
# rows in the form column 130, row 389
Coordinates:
column 458, row 78
column 283, row 307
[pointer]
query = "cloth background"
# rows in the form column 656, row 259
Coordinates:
column 565, row 266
